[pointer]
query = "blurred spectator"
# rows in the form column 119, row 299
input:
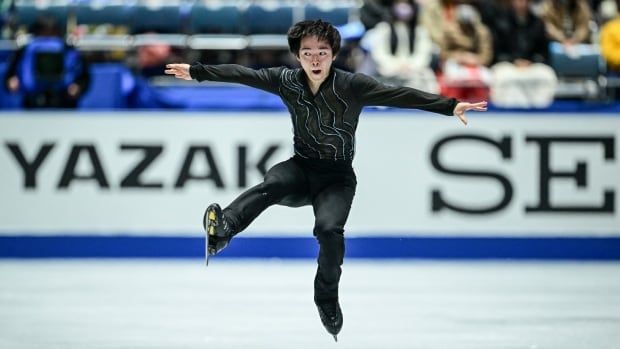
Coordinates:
column 521, row 78
column 48, row 72
column 402, row 50
column 610, row 41
column 567, row 21
column 373, row 12
column 490, row 11
column 152, row 58
column 466, row 52
column 434, row 16
column 595, row 3
column 595, row 6
column 608, row 10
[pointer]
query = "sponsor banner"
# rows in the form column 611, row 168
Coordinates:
column 151, row 173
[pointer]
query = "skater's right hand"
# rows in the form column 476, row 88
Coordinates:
column 179, row 70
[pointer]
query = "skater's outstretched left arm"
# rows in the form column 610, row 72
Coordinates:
column 372, row 92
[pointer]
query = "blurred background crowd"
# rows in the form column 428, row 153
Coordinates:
column 515, row 53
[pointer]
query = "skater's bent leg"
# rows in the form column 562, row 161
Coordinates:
column 331, row 208
column 282, row 180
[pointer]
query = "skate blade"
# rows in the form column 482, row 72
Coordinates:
column 207, row 250
column 210, row 224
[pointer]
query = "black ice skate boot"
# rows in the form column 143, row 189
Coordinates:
column 331, row 316
column 218, row 228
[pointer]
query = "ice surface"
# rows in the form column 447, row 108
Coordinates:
column 259, row 304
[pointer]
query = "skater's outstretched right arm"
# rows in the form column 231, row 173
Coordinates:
column 265, row 79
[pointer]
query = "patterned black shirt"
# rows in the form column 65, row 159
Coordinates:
column 324, row 123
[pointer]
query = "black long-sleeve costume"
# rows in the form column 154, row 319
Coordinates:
column 320, row 173
column 325, row 123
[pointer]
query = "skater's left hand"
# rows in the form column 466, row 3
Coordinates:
column 462, row 107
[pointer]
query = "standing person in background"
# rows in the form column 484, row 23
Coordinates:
column 402, row 49
column 466, row 51
column 49, row 73
column 325, row 104
column 521, row 76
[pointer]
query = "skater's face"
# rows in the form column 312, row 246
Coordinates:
column 316, row 58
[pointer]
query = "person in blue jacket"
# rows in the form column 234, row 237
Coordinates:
column 47, row 71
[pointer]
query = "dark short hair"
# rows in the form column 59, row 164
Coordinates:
column 45, row 25
column 322, row 30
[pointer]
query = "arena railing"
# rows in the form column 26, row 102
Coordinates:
column 96, row 42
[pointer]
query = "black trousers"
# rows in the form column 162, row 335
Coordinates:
column 327, row 185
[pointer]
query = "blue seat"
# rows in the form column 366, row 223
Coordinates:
column 112, row 14
column 111, row 84
column 337, row 15
column 262, row 20
column 586, row 65
column 165, row 19
column 217, row 20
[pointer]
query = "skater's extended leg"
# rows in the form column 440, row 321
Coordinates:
column 331, row 208
column 285, row 181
